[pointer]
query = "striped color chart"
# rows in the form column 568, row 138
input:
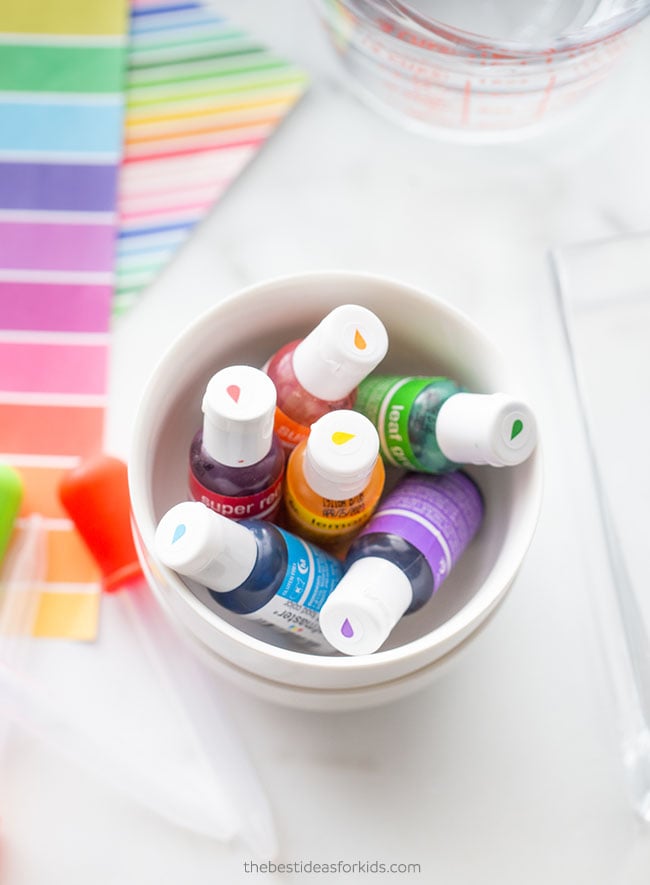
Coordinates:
column 61, row 118
column 201, row 99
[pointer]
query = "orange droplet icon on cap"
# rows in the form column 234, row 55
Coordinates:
column 359, row 341
column 339, row 438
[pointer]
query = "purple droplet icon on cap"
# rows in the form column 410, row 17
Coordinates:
column 346, row 629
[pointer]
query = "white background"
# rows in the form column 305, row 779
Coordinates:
column 506, row 770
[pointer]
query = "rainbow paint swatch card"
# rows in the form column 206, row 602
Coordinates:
column 94, row 201
column 202, row 97
column 61, row 127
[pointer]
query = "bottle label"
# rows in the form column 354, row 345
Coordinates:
column 439, row 515
column 337, row 521
column 387, row 401
column 310, row 577
column 263, row 505
column 288, row 431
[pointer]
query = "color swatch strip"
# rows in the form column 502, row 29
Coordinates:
column 202, row 97
column 59, row 187
column 61, row 120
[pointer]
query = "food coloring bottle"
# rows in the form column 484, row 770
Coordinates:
column 236, row 462
column 432, row 425
column 334, row 479
column 252, row 568
column 320, row 373
column 401, row 558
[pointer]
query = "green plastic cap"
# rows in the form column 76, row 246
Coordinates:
column 11, row 495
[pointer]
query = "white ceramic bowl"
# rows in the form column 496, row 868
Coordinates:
column 426, row 336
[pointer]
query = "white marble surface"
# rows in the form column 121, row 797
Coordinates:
column 507, row 770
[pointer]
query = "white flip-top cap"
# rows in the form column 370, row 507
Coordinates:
column 371, row 597
column 480, row 428
column 238, row 411
column 203, row 545
column 340, row 352
column 340, row 454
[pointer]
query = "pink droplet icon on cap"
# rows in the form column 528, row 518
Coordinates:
column 234, row 392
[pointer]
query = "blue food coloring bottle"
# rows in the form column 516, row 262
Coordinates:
column 253, row 568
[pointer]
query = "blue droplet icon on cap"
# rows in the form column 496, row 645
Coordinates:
column 179, row 531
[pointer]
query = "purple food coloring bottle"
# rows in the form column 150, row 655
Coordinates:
column 401, row 558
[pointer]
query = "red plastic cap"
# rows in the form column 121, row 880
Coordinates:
column 96, row 496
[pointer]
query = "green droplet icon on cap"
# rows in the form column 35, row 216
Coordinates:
column 517, row 427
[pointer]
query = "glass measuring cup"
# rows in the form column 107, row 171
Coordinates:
column 478, row 69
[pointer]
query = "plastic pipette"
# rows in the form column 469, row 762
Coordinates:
column 96, row 496
column 62, row 726
column 23, row 566
column 617, row 602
